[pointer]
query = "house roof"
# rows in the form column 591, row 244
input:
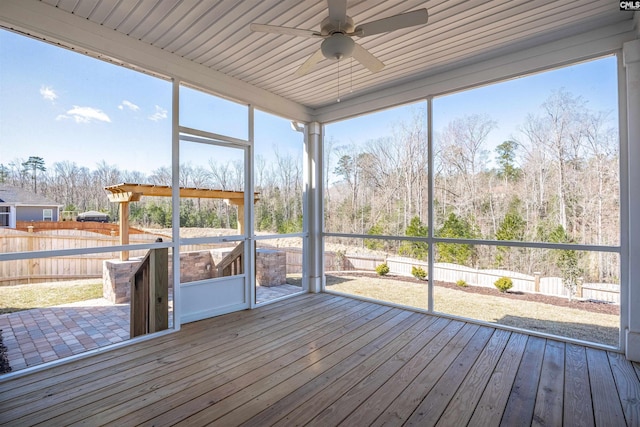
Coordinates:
column 20, row 196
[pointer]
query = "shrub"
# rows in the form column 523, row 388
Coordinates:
column 503, row 284
column 461, row 283
column 418, row 273
column 382, row 269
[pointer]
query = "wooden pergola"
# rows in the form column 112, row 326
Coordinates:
column 125, row 193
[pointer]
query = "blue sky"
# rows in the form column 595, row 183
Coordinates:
column 60, row 105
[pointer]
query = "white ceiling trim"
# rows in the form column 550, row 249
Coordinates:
column 40, row 20
column 551, row 55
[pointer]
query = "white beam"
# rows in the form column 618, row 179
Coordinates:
column 631, row 56
column 550, row 55
column 41, row 20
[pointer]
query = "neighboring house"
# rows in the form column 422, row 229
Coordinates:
column 18, row 204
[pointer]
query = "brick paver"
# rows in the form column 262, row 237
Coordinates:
column 42, row 335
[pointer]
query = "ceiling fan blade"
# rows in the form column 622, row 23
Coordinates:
column 284, row 30
column 309, row 63
column 396, row 22
column 337, row 11
column 367, row 59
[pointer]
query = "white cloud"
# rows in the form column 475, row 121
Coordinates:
column 48, row 93
column 130, row 105
column 160, row 114
column 85, row 115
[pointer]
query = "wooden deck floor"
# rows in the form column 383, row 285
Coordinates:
column 326, row 360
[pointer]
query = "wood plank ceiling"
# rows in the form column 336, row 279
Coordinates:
column 215, row 33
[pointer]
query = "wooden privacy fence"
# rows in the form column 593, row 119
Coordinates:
column 91, row 265
column 72, row 267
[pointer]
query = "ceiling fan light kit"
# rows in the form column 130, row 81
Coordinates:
column 338, row 46
column 337, row 31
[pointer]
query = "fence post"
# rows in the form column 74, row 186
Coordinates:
column 159, row 292
column 536, row 281
column 30, row 245
column 139, row 299
column 150, row 294
column 579, row 283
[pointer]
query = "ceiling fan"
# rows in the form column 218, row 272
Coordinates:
column 337, row 30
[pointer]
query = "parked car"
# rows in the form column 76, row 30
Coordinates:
column 93, row 216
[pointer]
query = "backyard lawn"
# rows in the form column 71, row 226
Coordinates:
column 585, row 321
column 25, row 297
column 593, row 322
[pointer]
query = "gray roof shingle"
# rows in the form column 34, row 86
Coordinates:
column 10, row 194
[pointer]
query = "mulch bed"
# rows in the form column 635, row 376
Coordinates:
column 4, row 359
column 587, row 305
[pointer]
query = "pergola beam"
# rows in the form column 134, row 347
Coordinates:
column 126, row 192
column 124, row 197
column 165, row 191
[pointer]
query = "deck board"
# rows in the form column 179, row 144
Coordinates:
column 522, row 400
column 330, row 360
column 461, row 406
column 548, row 409
column 313, row 395
column 628, row 387
column 494, row 398
column 406, row 402
column 336, row 407
column 436, row 401
column 607, row 407
column 578, row 409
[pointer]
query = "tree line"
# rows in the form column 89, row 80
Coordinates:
column 79, row 188
column 556, row 181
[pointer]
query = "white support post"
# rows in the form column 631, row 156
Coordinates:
column 175, row 203
column 315, row 205
column 631, row 56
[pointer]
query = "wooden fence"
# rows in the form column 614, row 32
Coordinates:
column 452, row 273
column 90, row 265
column 73, row 267
column 108, row 229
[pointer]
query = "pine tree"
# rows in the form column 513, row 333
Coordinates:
column 33, row 165
column 416, row 250
column 456, row 227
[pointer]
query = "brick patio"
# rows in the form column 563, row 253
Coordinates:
column 33, row 337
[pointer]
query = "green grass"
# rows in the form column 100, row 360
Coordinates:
column 25, row 297
column 561, row 321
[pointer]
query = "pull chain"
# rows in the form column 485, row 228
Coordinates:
column 338, row 81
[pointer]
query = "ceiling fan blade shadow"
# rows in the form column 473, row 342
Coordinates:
column 309, row 63
column 262, row 28
column 396, row 22
column 337, row 11
column 365, row 57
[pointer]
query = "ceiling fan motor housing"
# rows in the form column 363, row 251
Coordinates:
column 328, row 27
